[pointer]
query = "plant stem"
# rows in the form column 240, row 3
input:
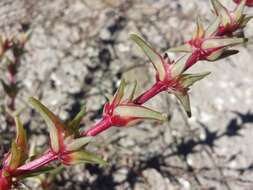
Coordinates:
column 37, row 163
column 153, row 91
column 99, row 127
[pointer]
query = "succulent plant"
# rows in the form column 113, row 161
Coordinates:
column 67, row 144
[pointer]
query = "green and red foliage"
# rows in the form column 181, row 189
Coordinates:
column 67, row 142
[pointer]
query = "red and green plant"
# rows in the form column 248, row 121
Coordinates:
column 12, row 50
column 67, row 142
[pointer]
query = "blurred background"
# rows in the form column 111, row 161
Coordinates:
column 79, row 50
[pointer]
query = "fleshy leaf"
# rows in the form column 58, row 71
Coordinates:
column 154, row 57
column 2, row 44
column 199, row 31
column 222, row 42
column 24, row 37
column 221, row 54
column 15, row 156
column 133, row 90
column 43, row 170
column 179, row 66
column 184, row 99
column 221, row 11
column 11, row 90
column 140, row 112
column 73, row 125
column 189, row 79
column 21, row 139
column 214, row 56
column 130, row 91
column 212, row 28
column 78, row 143
column 183, row 48
column 54, row 124
column 82, row 157
column 245, row 20
column 120, row 93
column 239, row 10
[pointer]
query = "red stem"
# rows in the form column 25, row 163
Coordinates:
column 99, row 127
column 37, row 163
column 153, row 91
column 193, row 59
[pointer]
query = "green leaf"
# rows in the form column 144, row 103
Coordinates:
column 214, row 56
column 82, row 157
column 184, row 99
column 245, row 20
column 43, row 170
column 73, row 125
column 183, row 48
column 179, row 66
column 54, row 124
column 120, row 93
column 213, row 27
column 15, row 156
column 131, row 97
column 140, row 112
column 10, row 90
column 188, row 80
column 199, row 31
column 78, row 143
column 221, row 54
column 221, row 11
column 239, row 10
column 130, row 91
column 222, row 42
column 154, row 57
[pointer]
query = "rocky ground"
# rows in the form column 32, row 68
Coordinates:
column 78, row 52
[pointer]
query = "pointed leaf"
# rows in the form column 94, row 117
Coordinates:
column 188, row 80
column 120, row 93
column 140, row 112
column 221, row 11
column 21, row 139
column 24, row 37
column 82, row 157
column 222, row 42
column 75, row 123
column 199, row 31
column 221, row 54
column 245, row 20
column 133, row 90
column 15, row 156
column 43, row 170
column 214, row 56
column 184, row 99
column 10, row 90
column 154, row 57
column 239, row 10
column 130, row 91
column 3, row 42
column 213, row 27
column 78, row 143
column 179, row 66
column 183, row 48
column 54, row 124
